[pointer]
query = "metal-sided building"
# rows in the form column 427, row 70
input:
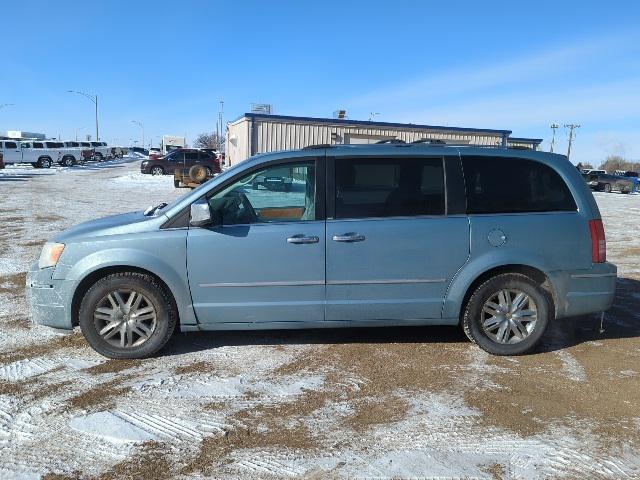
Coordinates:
column 254, row 133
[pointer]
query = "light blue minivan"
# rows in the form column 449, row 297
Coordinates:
column 499, row 241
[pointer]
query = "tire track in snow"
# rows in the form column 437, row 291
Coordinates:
column 170, row 428
column 26, row 368
column 267, row 466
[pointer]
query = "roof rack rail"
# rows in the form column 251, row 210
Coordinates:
column 432, row 141
column 389, row 140
column 319, row 145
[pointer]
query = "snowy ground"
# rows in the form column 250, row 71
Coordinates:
column 391, row 403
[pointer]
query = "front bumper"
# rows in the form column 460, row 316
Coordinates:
column 49, row 300
column 581, row 292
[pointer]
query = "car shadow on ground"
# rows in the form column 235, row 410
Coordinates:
column 621, row 321
column 14, row 177
column 198, row 341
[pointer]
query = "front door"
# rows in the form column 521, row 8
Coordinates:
column 391, row 249
column 266, row 262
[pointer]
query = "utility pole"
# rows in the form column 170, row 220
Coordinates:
column 571, row 127
column 554, row 127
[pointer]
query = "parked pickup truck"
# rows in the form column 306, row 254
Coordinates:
column 78, row 150
column 101, row 151
column 35, row 153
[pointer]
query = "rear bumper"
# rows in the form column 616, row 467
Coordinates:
column 48, row 299
column 582, row 292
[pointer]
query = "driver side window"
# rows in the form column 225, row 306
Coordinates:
column 279, row 193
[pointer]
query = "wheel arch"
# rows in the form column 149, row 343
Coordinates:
column 534, row 273
column 85, row 284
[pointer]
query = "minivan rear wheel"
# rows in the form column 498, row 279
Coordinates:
column 127, row 315
column 507, row 314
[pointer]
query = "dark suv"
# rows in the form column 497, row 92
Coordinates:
column 181, row 158
column 604, row 182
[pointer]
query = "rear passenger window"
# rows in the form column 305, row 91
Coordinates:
column 10, row 145
column 381, row 187
column 38, row 145
column 514, row 185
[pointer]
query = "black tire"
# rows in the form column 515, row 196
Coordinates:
column 98, row 157
column 35, row 165
column 471, row 320
column 198, row 174
column 209, row 171
column 607, row 187
column 176, row 183
column 157, row 170
column 68, row 161
column 166, row 315
column 44, row 162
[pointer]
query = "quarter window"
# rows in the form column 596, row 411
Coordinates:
column 280, row 193
column 514, row 185
column 381, row 187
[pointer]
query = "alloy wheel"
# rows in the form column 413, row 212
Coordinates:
column 509, row 316
column 125, row 318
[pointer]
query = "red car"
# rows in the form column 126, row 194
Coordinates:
column 181, row 158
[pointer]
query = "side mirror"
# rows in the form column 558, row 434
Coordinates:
column 200, row 214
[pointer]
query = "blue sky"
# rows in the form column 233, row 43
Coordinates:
column 486, row 64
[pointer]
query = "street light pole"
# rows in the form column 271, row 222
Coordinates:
column 94, row 99
column 142, row 127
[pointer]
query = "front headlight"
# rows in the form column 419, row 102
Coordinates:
column 50, row 254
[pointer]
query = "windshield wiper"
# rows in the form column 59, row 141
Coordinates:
column 151, row 210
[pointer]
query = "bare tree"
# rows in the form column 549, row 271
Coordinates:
column 209, row 140
column 616, row 162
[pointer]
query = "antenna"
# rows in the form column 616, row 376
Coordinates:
column 571, row 127
column 372, row 115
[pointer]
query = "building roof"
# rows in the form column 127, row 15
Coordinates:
column 346, row 122
column 534, row 141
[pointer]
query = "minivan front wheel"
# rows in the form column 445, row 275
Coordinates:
column 507, row 314
column 127, row 315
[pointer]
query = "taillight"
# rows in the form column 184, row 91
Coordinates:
column 598, row 241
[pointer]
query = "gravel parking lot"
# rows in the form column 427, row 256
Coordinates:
column 384, row 403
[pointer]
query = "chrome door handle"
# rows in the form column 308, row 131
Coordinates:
column 349, row 237
column 301, row 239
